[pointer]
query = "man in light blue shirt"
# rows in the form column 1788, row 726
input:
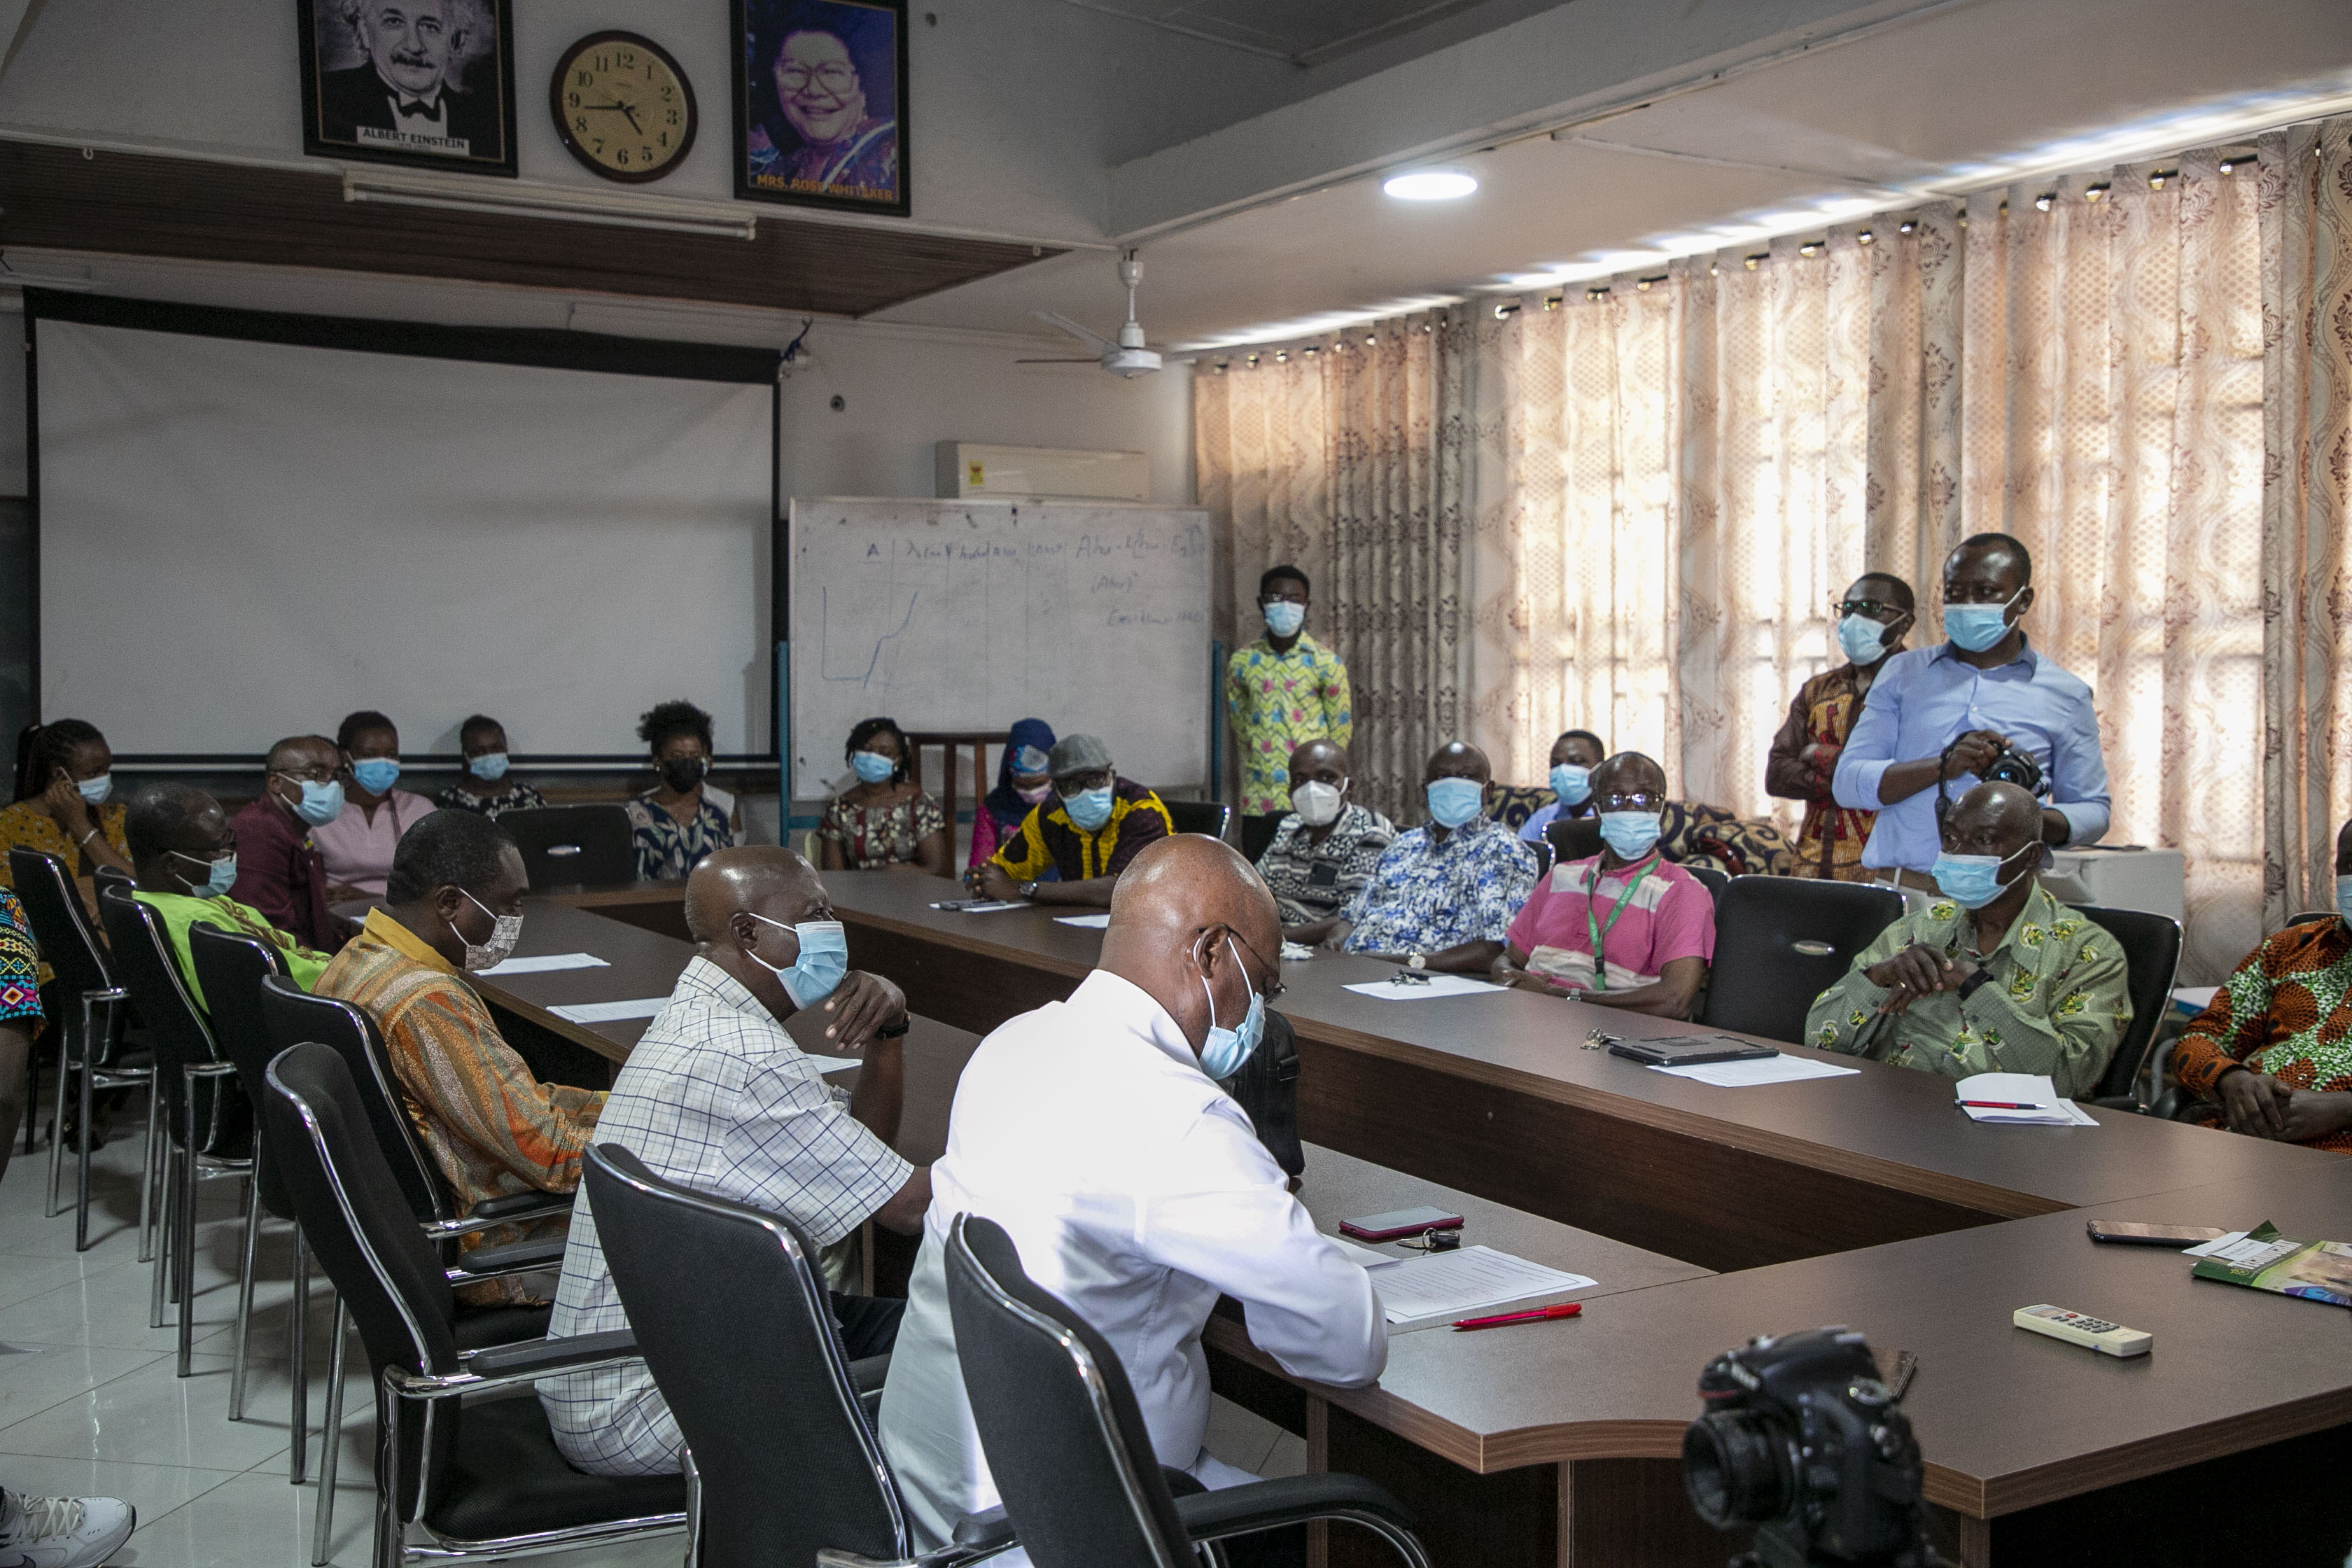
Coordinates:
column 1977, row 691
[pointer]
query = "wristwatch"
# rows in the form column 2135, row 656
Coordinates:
column 1027, row 890
column 1416, row 961
column 895, row 1031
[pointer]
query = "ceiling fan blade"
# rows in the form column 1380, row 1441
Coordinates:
column 1057, row 362
column 1083, row 334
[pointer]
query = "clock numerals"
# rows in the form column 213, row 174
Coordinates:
column 614, row 85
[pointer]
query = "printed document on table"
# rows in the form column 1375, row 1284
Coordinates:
column 2050, row 1109
column 544, row 963
column 610, row 1012
column 1091, row 922
column 1449, row 1285
column 1358, row 1252
column 1437, row 985
column 1762, row 1070
column 979, row 906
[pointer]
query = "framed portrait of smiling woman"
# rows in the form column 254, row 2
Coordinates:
column 821, row 103
column 427, row 83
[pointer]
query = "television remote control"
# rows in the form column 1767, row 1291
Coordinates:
column 2081, row 1329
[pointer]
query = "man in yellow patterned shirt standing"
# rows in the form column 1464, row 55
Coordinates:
column 1281, row 691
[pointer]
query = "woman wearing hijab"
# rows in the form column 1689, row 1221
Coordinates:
column 1021, row 783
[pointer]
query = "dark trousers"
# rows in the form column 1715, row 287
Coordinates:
column 869, row 1324
column 1257, row 832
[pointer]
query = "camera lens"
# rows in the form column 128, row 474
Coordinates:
column 1736, row 1468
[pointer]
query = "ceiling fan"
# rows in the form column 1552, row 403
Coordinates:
column 1127, row 357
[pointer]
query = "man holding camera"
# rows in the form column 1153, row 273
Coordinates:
column 1980, row 704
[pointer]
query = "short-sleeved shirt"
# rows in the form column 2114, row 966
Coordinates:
column 1278, row 702
column 872, row 837
column 1425, row 897
column 20, row 985
column 358, row 848
column 1047, row 838
column 667, row 847
column 1668, row 914
column 1313, row 881
column 717, row 1098
column 26, row 826
column 492, row 804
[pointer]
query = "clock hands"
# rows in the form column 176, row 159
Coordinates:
column 628, row 112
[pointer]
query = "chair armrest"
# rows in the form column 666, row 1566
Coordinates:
column 539, row 1358
column 2115, row 1102
column 988, row 1532
column 1296, row 1500
column 494, row 1262
column 518, row 1206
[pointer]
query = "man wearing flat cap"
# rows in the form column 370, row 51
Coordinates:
column 1085, row 831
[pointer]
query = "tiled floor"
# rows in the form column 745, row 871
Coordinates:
column 89, row 1402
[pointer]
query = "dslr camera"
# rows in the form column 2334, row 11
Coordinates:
column 1801, row 1440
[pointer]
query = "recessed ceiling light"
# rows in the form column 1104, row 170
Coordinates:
column 1430, row 184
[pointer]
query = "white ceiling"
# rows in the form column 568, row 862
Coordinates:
column 1967, row 96
column 1304, row 32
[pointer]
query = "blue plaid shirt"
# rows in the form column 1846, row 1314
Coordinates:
column 1425, row 897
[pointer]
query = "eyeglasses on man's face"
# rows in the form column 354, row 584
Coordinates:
column 1873, row 609
column 1632, row 800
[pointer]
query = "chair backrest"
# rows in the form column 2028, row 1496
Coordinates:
column 69, row 942
column 1715, row 881
column 1779, row 941
column 293, row 1017
column 1546, row 857
column 788, row 1463
column 104, row 877
column 177, row 1028
column 357, row 1221
column 2309, row 915
column 2151, row 944
column 231, row 966
column 1064, row 1439
column 1209, row 816
column 568, row 845
column 1574, row 837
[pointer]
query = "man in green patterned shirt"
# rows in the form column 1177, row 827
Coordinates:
column 1281, row 691
column 1995, row 976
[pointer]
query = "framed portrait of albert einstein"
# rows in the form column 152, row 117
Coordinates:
column 821, row 103
column 425, row 83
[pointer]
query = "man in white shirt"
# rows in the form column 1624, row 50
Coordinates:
column 717, row 1097
column 1133, row 1186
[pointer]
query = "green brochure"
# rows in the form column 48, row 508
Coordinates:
column 2266, row 1260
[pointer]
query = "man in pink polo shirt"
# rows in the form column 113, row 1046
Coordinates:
column 1650, row 924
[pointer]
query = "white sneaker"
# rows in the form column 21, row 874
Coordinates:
column 62, row 1531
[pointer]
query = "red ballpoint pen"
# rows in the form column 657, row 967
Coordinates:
column 1565, row 1309
column 2005, row 1105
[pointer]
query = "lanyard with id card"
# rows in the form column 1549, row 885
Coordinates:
column 1598, row 932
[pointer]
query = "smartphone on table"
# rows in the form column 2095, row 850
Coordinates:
column 2133, row 1233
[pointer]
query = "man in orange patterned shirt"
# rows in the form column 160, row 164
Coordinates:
column 1872, row 620
column 454, row 906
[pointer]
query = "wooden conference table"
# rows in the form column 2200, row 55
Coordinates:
column 1863, row 1199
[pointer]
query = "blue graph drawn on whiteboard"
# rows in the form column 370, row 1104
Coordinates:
column 874, row 656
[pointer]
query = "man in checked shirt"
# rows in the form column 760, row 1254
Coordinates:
column 717, row 1097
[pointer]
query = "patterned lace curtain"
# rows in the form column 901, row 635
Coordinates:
column 2307, row 504
column 1355, row 461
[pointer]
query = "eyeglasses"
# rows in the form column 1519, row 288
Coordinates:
column 1273, row 970
column 1282, row 596
column 1638, row 800
column 1877, row 609
column 834, row 76
column 1078, row 784
column 313, row 775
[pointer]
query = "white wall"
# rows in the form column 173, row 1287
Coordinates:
column 12, row 404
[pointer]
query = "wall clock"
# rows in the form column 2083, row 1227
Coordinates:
column 623, row 106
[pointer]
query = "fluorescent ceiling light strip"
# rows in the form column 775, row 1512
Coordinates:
column 514, row 203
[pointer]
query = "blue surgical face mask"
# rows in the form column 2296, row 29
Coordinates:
column 1977, row 627
column 321, row 803
column 221, row 879
column 1571, row 784
column 872, row 767
column 1632, row 833
column 1863, row 641
column 376, row 775
column 95, row 791
column 1284, row 618
column 1089, row 809
column 2344, row 898
column 490, row 767
column 1972, row 881
column 1453, row 802
column 1224, row 1051
column 822, row 966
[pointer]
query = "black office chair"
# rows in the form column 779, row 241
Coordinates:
column 2151, row 944
column 2309, row 915
column 231, row 967
column 1779, row 941
column 481, row 1479
column 573, row 844
column 1715, row 882
column 209, row 1126
column 1546, row 856
column 1212, row 817
column 95, row 1049
column 783, row 1464
column 1573, row 837
column 1066, row 1443
column 104, row 877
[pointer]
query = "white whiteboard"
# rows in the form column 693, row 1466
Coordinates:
column 968, row 615
column 244, row 539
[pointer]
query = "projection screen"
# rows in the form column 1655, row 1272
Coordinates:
column 245, row 539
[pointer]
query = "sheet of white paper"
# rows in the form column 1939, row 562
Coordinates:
column 1358, row 1252
column 1449, row 1284
column 1438, row 985
column 2020, row 1088
column 2207, row 1249
column 833, row 1063
column 545, row 962
column 1295, row 953
column 1091, row 922
column 979, row 906
column 1764, row 1069
column 610, row 1012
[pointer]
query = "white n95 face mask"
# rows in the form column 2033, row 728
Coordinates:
column 1318, row 804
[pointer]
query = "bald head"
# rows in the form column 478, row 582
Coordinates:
column 1323, row 761
column 1992, row 818
column 765, row 879
column 1175, row 907
column 1627, row 774
column 1457, row 760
